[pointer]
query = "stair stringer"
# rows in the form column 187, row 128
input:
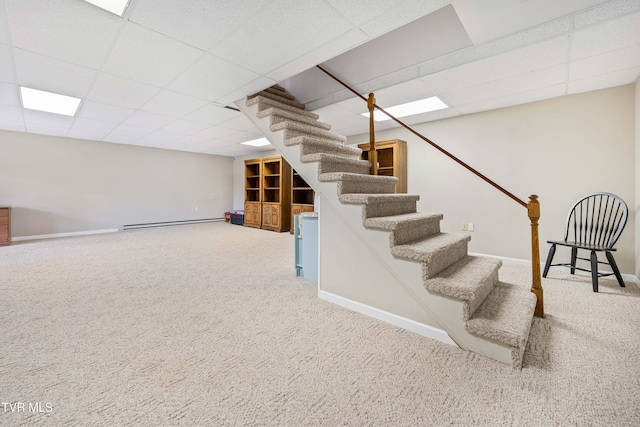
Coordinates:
column 392, row 285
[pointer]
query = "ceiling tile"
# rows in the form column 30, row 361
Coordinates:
column 4, row 28
column 212, row 114
column 46, row 129
column 44, row 73
column 402, row 93
column 6, row 65
column 617, row 78
column 215, row 132
column 157, row 138
column 604, row 12
column 98, row 111
column 136, row 132
column 211, row 77
column 87, row 134
column 110, row 89
column 239, row 123
column 185, row 127
column 12, row 125
column 9, row 112
column 520, row 61
column 82, row 124
column 332, row 112
column 146, row 56
column 240, row 94
column 190, row 140
column 361, row 11
column 606, row 63
column 513, row 99
column 424, row 117
column 148, row 120
column 500, row 88
column 257, row 47
column 200, row 23
column 69, row 30
column 611, row 35
column 401, row 14
column 50, row 119
column 239, row 137
column 9, row 95
column 120, row 139
column 173, row 104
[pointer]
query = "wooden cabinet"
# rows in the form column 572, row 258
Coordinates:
column 392, row 160
column 302, row 196
column 5, row 225
column 267, row 193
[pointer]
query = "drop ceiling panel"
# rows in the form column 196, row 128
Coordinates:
column 200, row 23
column 606, row 63
column 6, row 68
column 618, row 78
column 185, row 127
column 212, row 114
column 425, row 117
column 173, row 104
column 402, row 93
column 10, row 112
column 611, row 35
column 148, row 120
column 157, row 138
column 120, row 139
column 50, row 119
column 69, row 30
column 239, row 137
column 513, row 99
column 191, row 140
column 500, row 88
column 90, row 135
column 215, row 132
column 249, row 89
column 4, row 28
column 305, row 92
column 12, row 125
column 82, row 124
column 46, row 130
column 146, row 56
column 130, row 131
column 10, row 95
column 44, row 73
column 258, row 47
column 99, row 111
column 520, row 61
column 491, row 19
column 426, row 38
column 239, row 123
column 211, row 77
column 118, row 91
column 332, row 112
column 402, row 13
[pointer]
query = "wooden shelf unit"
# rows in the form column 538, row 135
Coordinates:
column 302, row 196
column 252, row 193
column 5, row 225
column 276, row 196
column 392, row 160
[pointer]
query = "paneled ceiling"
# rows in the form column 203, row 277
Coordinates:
column 162, row 75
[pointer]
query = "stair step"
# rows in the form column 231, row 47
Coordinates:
column 280, row 92
column 328, row 163
column 278, row 115
column 436, row 252
column 278, row 87
column 276, row 97
column 349, row 183
column 505, row 316
column 311, row 145
column 471, row 279
column 293, row 129
column 376, row 205
column 406, row 227
column 266, row 103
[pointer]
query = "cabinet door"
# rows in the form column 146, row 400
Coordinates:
column 266, row 215
column 252, row 217
column 276, row 218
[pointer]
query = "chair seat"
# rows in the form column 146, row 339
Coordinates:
column 582, row 246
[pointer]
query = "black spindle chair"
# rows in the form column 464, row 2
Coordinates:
column 594, row 224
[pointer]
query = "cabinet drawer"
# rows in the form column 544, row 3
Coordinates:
column 4, row 213
column 4, row 231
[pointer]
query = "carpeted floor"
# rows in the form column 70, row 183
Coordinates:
column 208, row 325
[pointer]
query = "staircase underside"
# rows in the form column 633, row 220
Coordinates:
column 377, row 251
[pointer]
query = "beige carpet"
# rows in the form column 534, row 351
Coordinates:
column 207, row 325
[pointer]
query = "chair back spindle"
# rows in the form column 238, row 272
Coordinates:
column 597, row 219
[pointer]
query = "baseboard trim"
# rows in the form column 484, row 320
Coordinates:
column 393, row 319
column 516, row 261
column 169, row 223
column 57, row 235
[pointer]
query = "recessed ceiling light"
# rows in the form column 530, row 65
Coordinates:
column 409, row 109
column 114, row 6
column 34, row 99
column 257, row 142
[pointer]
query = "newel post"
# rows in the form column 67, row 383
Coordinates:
column 533, row 208
column 373, row 155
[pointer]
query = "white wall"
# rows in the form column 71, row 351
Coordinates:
column 238, row 176
column 63, row 185
column 559, row 149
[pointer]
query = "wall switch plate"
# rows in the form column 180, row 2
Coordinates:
column 470, row 226
column 464, row 226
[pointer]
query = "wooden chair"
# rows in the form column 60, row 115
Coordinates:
column 594, row 224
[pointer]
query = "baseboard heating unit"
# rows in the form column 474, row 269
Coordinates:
column 168, row 223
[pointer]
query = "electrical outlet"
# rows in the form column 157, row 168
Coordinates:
column 470, row 226
column 464, row 226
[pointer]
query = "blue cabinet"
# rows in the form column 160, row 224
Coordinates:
column 306, row 245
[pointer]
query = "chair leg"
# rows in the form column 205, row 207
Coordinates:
column 574, row 257
column 594, row 270
column 614, row 267
column 552, row 252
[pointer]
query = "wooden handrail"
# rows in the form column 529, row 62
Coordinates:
column 533, row 207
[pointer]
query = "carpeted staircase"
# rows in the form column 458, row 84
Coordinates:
column 492, row 310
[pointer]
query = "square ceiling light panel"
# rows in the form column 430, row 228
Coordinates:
column 410, row 109
column 114, row 6
column 49, row 102
column 257, row 142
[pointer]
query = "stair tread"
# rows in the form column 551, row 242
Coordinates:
column 275, row 98
column 290, row 115
column 394, row 222
column 307, row 130
column 362, row 199
column 505, row 315
column 423, row 249
column 328, row 157
column 463, row 279
column 280, row 92
column 348, row 176
column 339, row 147
column 261, row 100
column 278, row 87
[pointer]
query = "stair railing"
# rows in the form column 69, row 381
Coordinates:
column 533, row 207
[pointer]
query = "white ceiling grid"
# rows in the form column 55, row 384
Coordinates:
column 161, row 75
